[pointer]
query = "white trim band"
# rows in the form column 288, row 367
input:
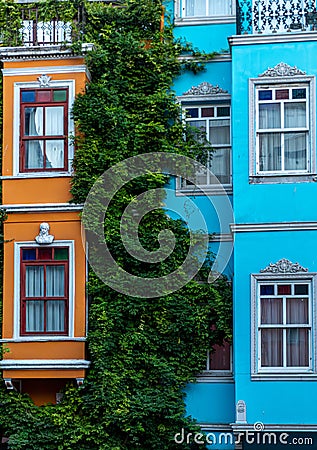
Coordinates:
column 42, row 207
column 277, row 226
column 275, row 38
column 12, row 72
column 40, row 364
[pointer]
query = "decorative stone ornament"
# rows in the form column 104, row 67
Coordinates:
column 241, row 412
column 44, row 80
column 44, row 237
column 205, row 88
column 282, row 70
column 284, row 266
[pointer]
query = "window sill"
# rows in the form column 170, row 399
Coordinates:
column 205, row 190
column 36, row 175
column 183, row 21
column 284, row 376
column 215, row 377
column 43, row 339
column 283, row 178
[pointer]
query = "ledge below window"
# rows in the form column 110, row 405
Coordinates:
column 205, row 190
column 284, row 377
column 215, row 377
column 282, row 179
column 179, row 21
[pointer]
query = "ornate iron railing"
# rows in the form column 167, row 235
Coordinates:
column 275, row 16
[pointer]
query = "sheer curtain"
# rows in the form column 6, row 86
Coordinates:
column 55, row 287
column 272, row 339
column 219, row 8
column 34, row 287
column 34, row 149
column 297, row 338
column 54, row 126
column 195, row 8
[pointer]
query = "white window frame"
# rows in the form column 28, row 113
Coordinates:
column 17, row 292
column 68, row 84
column 180, row 13
column 209, row 187
column 281, row 372
column 264, row 83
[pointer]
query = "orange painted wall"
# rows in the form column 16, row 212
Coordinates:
column 24, row 227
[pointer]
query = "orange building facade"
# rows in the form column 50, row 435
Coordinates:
column 44, row 295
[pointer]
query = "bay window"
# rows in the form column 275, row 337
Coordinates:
column 43, row 130
column 283, row 129
column 214, row 122
column 44, row 290
column 207, row 8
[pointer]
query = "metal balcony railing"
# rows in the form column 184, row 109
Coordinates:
column 275, row 16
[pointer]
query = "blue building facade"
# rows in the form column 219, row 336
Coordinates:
column 256, row 101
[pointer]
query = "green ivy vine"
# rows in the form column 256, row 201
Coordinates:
column 143, row 352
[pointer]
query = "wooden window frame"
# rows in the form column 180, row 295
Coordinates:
column 44, row 138
column 23, row 299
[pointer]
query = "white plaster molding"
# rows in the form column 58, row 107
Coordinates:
column 284, row 266
column 274, row 38
column 41, row 52
column 205, row 88
column 241, row 412
column 275, row 226
column 282, row 70
column 43, row 339
column 44, row 80
column 42, row 207
column 41, row 364
column 52, row 70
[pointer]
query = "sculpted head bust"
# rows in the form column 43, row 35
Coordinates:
column 44, row 237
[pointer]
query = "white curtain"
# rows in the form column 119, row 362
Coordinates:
column 270, row 152
column 295, row 115
column 55, row 153
column 34, row 150
column 195, row 8
column 55, row 314
column 271, row 311
column 55, row 281
column 54, row 121
column 34, row 283
column 220, row 164
column 272, row 347
column 297, row 347
column 269, row 116
column 219, row 7
column 34, row 316
column 295, row 152
column 219, row 132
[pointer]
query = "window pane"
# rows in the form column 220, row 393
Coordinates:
column 301, row 289
column 297, row 347
column 295, row 151
column 43, row 96
column 60, row 253
column 271, row 310
column 284, row 289
column 219, row 7
column 265, row 95
column 195, row 7
column 295, row 115
column 223, row 111
column 219, row 358
column 272, row 348
column 297, row 310
column 220, row 164
column 34, row 316
column 28, row 96
column 270, row 152
column 34, row 155
column 200, row 125
column 34, row 281
column 29, row 254
column 207, row 112
column 55, row 316
column 192, row 112
column 269, row 115
column 54, row 121
column 55, row 281
column 33, row 121
column 267, row 289
column 299, row 93
column 219, row 132
column 55, row 154
column 45, row 253
column 59, row 96
column 281, row 94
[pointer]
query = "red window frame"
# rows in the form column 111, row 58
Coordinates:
column 24, row 138
column 45, row 263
